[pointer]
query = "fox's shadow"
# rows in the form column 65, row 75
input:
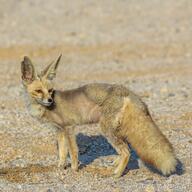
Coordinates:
column 93, row 147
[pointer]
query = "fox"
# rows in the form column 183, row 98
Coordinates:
column 122, row 116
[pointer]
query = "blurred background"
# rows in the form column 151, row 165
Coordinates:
column 145, row 45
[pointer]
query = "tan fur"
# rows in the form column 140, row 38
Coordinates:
column 122, row 115
column 146, row 138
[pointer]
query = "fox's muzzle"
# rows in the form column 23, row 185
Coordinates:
column 45, row 102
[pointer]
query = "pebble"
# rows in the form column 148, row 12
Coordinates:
column 171, row 94
column 164, row 90
column 100, row 31
column 149, row 188
column 49, row 190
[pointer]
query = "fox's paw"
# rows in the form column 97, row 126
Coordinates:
column 117, row 174
column 62, row 164
column 75, row 166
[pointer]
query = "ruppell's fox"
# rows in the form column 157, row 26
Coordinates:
column 122, row 116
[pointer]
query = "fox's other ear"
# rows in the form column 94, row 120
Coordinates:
column 50, row 71
column 27, row 71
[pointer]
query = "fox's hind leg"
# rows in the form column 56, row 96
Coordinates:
column 123, row 154
column 110, row 127
column 62, row 147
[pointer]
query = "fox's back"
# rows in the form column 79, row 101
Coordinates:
column 87, row 104
column 100, row 92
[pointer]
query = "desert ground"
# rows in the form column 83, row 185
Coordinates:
column 144, row 45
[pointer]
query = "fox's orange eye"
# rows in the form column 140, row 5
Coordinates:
column 38, row 91
column 50, row 90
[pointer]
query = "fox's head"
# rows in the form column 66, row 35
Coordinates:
column 39, row 86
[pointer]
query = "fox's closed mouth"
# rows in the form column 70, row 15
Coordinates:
column 47, row 104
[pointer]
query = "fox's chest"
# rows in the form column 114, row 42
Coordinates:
column 36, row 111
column 43, row 115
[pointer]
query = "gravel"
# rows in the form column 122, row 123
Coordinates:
column 144, row 45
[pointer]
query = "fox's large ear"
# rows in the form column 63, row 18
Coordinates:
column 50, row 71
column 27, row 71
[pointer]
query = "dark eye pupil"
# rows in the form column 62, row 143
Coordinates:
column 50, row 90
column 38, row 91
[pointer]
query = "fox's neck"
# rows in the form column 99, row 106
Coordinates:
column 34, row 108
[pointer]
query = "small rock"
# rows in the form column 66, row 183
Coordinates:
column 49, row 190
column 73, row 33
column 164, row 90
column 117, row 190
column 149, row 188
column 2, row 107
column 171, row 95
column 145, row 94
column 133, row 81
column 19, row 186
column 185, row 94
column 168, row 190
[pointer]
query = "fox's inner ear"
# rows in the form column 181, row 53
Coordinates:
column 27, row 70
column 50, row 71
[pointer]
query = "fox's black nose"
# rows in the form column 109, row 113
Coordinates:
column 50, row 100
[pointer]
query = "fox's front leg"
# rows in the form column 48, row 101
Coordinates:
column 73, row 148
column 62, row 147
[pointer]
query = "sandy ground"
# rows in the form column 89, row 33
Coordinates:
column 144, row 45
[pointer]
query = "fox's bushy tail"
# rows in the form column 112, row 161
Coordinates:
column 146, row 138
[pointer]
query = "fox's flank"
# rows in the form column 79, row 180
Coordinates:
column 122, row 115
